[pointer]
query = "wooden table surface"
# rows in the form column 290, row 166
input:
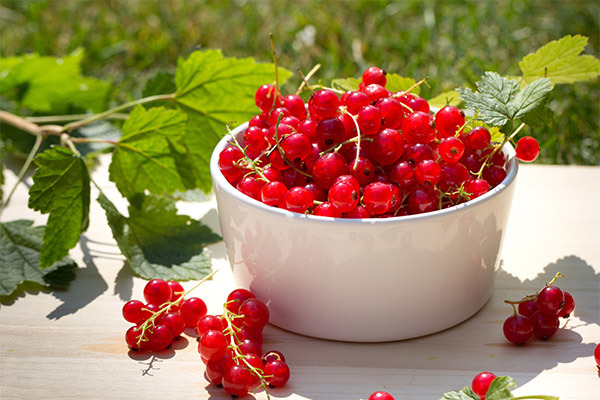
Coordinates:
column 70, row 344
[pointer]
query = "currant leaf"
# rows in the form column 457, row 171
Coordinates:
column 20, row 245
column 465, row 393
column 214, row 91
column 450, row 98
column 49, row 84
column 499, row 100
column 532, row 97
column 500, row 388
column 346, row 84
column 561, row 62
column 61, row 187
column 160, row 83
column 397, row 83
column 150, row 154
column 159, row 243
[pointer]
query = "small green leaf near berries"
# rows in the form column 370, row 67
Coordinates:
column 61, row 187
column 465, row 393
column 397, row 83
column 346, row 84
column 20, row 244
column 499, row 389
column 157, row 242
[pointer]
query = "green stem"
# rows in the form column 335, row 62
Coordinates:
column 23, row 171
column 231, row 330
column 67, row 118
column 96, row 117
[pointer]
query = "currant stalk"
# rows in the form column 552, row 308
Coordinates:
column 231, row 331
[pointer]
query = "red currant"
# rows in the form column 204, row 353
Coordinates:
column 298, row 199
column 237, row 380
column 422, row 199
column 418, row 128
column 381, row 396
column 273, row 194
column 192, row 309
column 266, row 98
column 451, row 149
column 377, row 197
column 237, row 297
column 323, row 104
column 212, row 345
column 550, row 300
column 479, row 138
column 387, row 146
column 369, row 120
column 343, row 196
column 527, row 149
column 255, row 313
column 448, row 120
column 157, row 291
column 132, row 311
column 517, row 329
column 327, row 168
column 568, row 306
column 481, row 383
column 544, row 325
column 277, row 373
column 374, row 75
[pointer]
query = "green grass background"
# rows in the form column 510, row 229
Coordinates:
column 451, row 42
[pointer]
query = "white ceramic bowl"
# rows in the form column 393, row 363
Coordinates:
column 365, row 280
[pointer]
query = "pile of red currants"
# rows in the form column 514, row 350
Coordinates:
column 364, row 153
column 229, row 344
column 231, row 347
column 538, row 314
column 163, row 317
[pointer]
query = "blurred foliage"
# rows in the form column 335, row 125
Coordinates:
column 450, row 42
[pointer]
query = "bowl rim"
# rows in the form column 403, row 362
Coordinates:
column 218, row 179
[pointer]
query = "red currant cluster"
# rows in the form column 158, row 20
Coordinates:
column 538, row 314
column 163, row 317
column 231, row 347
column 364, row 153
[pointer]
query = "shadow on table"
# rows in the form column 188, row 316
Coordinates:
column 88, row 285
column 460, row 352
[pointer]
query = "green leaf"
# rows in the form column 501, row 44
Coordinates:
column 215, row 91
column 531, row 97
column 160, row 83
column 397, row 83
column 20, row 245
column 465, row 393
column 49, row 84
column 450, row 98
column 61, row 187
column 157, row 242
column 500, row 388
column 561, row 62
column 499, row 100
column 150, row 152
column 346, row 84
